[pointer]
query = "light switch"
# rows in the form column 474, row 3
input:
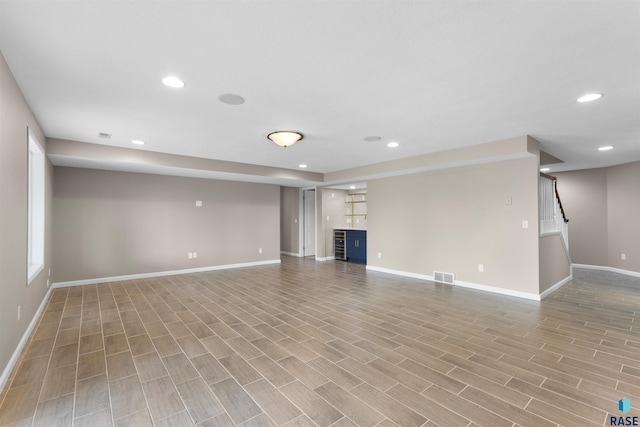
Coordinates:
column 198, row 203
column 525, row 224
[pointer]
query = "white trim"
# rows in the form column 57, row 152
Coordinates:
column 327, row 258
column 502, row 291
column 23, row 341
column 400, row 273
column 299, row 255
column 611, row 269
column 460, row 283
column 160, row 273
column 557, row 286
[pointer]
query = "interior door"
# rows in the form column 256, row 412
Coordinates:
column 309, row 222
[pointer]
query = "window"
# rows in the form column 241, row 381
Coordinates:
column 35, row 245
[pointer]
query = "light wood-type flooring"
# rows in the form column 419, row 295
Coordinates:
column 329, row 344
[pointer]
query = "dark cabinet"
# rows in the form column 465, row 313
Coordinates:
column 355, row 245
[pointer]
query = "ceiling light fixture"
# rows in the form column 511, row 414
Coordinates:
column 172, row 81
column 138, row 142
column 605, row 148
column 285, row 138
column 392, row 144
column 231, row 99
column 545, row 169
column 302, row 166
column 590, row 97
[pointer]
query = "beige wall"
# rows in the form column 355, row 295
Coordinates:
column 118, row 223
column 289, row 220
column 330, row 217
column 603, row 207
column 454, row 219
column 584, row 198
column 555, row 266
column 15, row 117
column 623, row 216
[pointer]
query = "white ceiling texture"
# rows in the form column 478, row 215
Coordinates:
column 430, row 75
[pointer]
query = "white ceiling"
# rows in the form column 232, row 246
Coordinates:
column 431, row 75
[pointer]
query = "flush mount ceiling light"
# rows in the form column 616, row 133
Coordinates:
column 302, row 166
column 231, row 99
column 590, row 97
column 285, row 138
column 138, row 142
column 172, row 81
column 605, row 148
column 392, row 144
column 545, row 170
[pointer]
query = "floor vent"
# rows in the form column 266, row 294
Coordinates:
column 441, row 277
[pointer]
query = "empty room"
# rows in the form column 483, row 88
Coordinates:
column 319, row 213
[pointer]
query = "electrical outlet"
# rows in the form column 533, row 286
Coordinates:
column 481, row 268
column 195, row 254
column 47, row 283
column 623, row 256
column 295, row 220
column 379, row 255
column 19, row 312
column 190, row 255
column 259, row 250
column 327, row 217
column 357, row 220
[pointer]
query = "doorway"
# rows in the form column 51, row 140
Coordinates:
column 309, row 205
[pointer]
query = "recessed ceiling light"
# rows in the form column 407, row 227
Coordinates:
column 392, row 144
column 545, row 169
column 172, row 81
column 590, row 97
column 353, row 187
column 302, row 166
column 372, row 138
column 605, row 148
column 138, row 142
column 231, row 99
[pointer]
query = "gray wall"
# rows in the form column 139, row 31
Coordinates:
column 118, row 223
column 454, row 219
column 603, row 207
column 584, row 198
column 555, row 266
column 331, row 216
column 289, row 220
column 15, row 117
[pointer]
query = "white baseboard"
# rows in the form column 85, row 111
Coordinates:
column 23, row 341
column 611, row 269
column 557, row 286
column 460, row 283
column 400, row 273
column 502, row 291
column 299, row 255
column 161, row 273
column 328, row 258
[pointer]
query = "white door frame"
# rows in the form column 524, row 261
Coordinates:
column 307, row 192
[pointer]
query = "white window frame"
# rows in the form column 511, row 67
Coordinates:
column 35, row 207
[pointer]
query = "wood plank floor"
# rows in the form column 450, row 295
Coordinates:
column 330, row 344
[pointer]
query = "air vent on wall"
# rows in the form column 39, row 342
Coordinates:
column 104, row 135
column 441, row 277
